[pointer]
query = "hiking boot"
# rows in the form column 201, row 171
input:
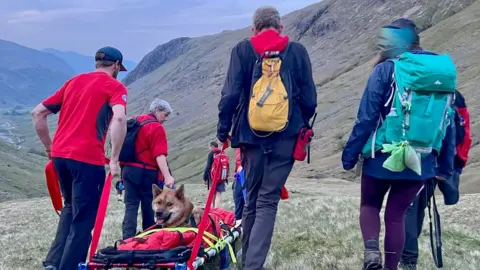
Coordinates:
column 372, row 260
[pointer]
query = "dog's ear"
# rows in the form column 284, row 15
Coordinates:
column 180, row 192
column 156, row 190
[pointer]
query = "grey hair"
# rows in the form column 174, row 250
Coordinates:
column 160, row 105
column 266, row 17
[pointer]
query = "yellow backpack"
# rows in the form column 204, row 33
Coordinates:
column 269, row 107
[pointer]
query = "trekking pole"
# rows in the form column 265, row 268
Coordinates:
column 435, row 230
column 310, row 138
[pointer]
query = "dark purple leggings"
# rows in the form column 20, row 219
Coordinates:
column 402, row 194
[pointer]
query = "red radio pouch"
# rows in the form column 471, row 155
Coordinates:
column 302, row 146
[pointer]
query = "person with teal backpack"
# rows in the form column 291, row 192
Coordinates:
column 404, row 129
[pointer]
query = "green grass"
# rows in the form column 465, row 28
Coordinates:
column 317, row 228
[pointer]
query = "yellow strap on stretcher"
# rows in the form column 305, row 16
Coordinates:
column 219, row 245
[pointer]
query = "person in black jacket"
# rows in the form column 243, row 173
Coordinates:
column 221, row 187
column 267, row 160
column 449, row 187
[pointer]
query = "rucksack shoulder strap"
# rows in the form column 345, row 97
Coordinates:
column 147, row 122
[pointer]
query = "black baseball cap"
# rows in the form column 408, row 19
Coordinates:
column 110, row 54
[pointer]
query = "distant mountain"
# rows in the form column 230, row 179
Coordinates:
column 27, row 75
column 340, row 36
column 82, row 63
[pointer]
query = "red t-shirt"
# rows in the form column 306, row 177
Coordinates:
column 151, row 141
column 86, row 103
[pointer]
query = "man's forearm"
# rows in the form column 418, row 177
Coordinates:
column 118, row 132
column 162, row 164
column 41, row 127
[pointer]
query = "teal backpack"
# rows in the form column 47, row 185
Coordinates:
column 422, row 94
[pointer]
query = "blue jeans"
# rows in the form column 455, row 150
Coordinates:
column 238, row 199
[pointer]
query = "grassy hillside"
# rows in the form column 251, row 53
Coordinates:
column 22, row 156
column 21, row 173
column 27, row 75
column 317, row 228
column 17, row 128
column 340, row 37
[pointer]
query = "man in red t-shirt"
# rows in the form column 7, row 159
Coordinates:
column 89, row 103
column 151, row 150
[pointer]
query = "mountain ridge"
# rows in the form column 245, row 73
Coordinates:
column 82, row 63
column 340, row 37
column 28, row 75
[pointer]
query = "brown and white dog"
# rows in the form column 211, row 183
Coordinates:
column 173, row 209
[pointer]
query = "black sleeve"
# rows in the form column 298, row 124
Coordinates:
column 206, row 173
column 230, row 97
column 308, row 90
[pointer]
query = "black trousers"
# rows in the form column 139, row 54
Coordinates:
column 81, row 185
column 414, row 222
column 266, row 170
column 138, row 190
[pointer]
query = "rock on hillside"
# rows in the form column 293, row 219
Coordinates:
column 159, row 56
column 27, row 75
column 340, row 37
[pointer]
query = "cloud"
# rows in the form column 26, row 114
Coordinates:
column 76, row 8
column 36, row 16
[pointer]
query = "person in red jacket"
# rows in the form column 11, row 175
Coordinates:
column 151, row 150
column 221, row 187
column 89, row 103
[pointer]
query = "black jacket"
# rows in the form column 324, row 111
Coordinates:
column 233, row 105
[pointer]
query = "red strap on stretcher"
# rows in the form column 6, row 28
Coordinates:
column 53, row 187
column 102, row 211
column 204, row 222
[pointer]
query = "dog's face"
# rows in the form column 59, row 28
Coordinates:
column 171, row 207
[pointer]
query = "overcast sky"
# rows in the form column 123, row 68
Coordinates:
column 133, row 26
